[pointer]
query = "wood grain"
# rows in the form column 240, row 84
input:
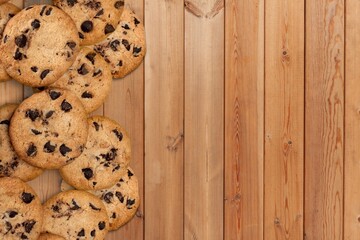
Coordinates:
column 352, row 123
column 204, row 121
column 324, row 135
column 125, row 104
column 244, row 119
column 164, row 116
column 284, row 119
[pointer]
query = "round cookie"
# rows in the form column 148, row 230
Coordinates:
column 10, row 164
column 49, row 236
column 94, row 19
column 105, row 158
column 89, row 78
column 7, row 11
column 121, row 201
column 39, row 44
column 76, row 215
column 125, row 48
column 20, row 210
column 49, row 129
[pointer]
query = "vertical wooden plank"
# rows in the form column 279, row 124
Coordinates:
column 125, row 104
column 244, row 127
column 324, row 134
column 204, row 118
column 352, row 122
column 164, row 103
column 284, row 119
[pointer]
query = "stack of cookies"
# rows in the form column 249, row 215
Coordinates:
column 69, row 53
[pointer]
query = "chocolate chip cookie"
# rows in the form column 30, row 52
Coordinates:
column 95, row 19
column 7, row 11
column 20, row 210
column 105, row 158
column 10, row 164
column 122, row 200
column 49, row 236
column 39, row 44
column 76, row 215
column 89, row 78
column 49, row 129
column 125, row 48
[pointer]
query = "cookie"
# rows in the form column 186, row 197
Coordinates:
column 76, row 215
column 89, row 78
column 105, row 158
column 94, row 19
column 39, row 44
column 7, row 11
column 20, row 210
column 125, row 48
column 10, row 164
column 49, row 236
column 49, row 129
column 121, row 201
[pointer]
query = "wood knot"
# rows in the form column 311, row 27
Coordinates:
column 277, row 221
column 139, row 214
column 175, row 142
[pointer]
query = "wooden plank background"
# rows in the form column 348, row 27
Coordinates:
column 244, row 119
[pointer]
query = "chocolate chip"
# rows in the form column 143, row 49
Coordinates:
column 110, row 155
column 28, row 225
column 18, row 55
column 136, row 51
column 32, row 114
column 126, row 26
column 98, row 72
column 120, row 63
column 48, row 148
column 28, row 8
column 87, row 26
column 108, row 197
column 20, row 41
column 114, row 45
column 49, row 114
column 86, row 94
column 136, row 21
column 118, row 134
column 27, row 197
column 94, row 207
column 129, row 203
column 36, row 132
column 48, row 12
column 96, row 125
column 81, row 233
column 5, row 38
column 5, row 122
column 64, row 149
column 126, row 44
column 82, row 70
column 102, row 225
column 8, row 226
column 119, row 4
column 66, row 106
column 99, row 13
column 32, row 150
column 75, row 205
column 12, row 214
column 11, row 15
column 42, row 10
column 23, row 236
column 120, row 196
column 71, row 3
column 35, row 24
column 34, row 69
column 81, row 36
column 88, row 173
column 71, row 45
column 55, row 208
column 130, row 174
column 113, row 215
column 109, row 29
column 91, row 56
column 44, row 74
column 93, row 233
column 54, row 95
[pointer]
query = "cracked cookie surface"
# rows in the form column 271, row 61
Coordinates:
column 122, row 200
column 49, row 129
column 7, row 11
column 39, row 44
column 89, row 78
column 105, row 158
column 10, row 164
column 20, row 210
column 76, row 215
column 125, row 48
column 95, row 19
